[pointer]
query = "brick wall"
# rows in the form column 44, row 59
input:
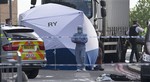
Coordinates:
column 4, row 12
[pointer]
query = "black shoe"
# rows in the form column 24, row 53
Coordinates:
column 96, row 68
column 99, row 68
column 132, row 62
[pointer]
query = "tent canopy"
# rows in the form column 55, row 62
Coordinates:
column 56, row 24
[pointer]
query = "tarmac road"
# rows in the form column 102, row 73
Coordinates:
column 87, row 76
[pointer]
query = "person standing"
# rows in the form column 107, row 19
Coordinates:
column 134, row 31
column 100, row 57
column 125, row 44
column 80, row 39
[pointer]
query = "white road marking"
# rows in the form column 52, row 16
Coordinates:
column 78, row 74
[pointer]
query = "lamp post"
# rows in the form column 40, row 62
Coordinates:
column 10, row 11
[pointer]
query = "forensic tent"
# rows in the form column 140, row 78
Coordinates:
column 56, row 24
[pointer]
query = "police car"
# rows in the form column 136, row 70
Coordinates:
column 145, row 68
column 25, row 41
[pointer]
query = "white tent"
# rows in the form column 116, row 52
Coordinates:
column 57, row 23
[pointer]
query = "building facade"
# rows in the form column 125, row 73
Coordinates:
column 4, row 12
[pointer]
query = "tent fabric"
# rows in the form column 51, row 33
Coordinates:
column 56, row 24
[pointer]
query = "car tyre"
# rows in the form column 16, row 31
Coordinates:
column 32, row 73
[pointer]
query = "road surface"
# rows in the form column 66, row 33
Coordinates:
column 87, row 76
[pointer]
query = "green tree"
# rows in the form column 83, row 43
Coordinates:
column 141, row 12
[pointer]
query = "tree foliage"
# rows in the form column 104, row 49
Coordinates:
column 141, row 12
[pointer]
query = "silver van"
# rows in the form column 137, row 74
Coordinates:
column 145, row 67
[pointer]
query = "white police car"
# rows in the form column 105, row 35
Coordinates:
column 25, row 41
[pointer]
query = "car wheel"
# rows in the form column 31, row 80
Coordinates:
column 32, row 73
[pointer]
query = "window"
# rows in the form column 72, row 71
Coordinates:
column 20, row 34
column 83, row 5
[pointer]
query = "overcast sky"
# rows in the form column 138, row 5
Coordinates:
column 24, row 5
column 133, row 3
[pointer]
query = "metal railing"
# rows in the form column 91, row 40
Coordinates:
column 11, row 72
column 117, row 31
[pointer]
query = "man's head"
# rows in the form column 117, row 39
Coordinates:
column 80, row 29
column 8, row 21
column 135, row 22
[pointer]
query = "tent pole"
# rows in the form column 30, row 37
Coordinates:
column 55, row 57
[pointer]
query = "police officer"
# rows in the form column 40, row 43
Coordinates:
column 80, row 39
column 134, row 30
column 100, row 57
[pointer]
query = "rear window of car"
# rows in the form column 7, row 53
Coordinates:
column 20, row 34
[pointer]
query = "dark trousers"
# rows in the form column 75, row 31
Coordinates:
column 134, row 51
column 123, row 53
column 124, row 46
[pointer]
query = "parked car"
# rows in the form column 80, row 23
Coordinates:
column 28, row 43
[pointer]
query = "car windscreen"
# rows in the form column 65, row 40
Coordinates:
column 20, row 34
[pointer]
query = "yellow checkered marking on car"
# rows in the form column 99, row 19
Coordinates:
column 30, row 55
